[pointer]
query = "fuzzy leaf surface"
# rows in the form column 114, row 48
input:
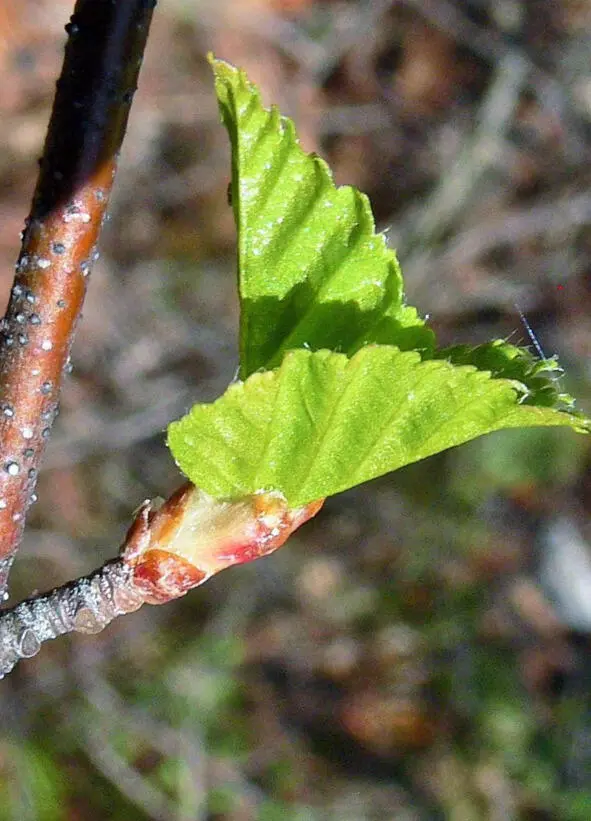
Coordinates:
column 323, row 422
column 312, row 271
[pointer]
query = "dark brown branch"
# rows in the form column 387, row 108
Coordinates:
column 91, row 107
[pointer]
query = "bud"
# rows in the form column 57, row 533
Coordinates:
column 193, row 536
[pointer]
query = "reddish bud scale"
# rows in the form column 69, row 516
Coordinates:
column 165, row 554
column 161, row 576
column 193, row 536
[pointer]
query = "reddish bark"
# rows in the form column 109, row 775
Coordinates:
column 88, row 121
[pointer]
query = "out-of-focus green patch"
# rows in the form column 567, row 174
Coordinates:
column 539, row 457
column 575, row 805
column 32, row 787
column 221, row 800
column 278, row 811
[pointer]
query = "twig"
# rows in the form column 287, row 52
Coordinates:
column 91, row 107
column 166, row 553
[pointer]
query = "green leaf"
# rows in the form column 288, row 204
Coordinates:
column 506, row 361
column 323, row 423
column 312, row 271
column 318, row 289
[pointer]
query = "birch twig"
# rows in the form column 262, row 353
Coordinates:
column 90, row 111
column 166, row 552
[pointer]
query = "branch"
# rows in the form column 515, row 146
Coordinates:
column 166, row 553
column 91, row 107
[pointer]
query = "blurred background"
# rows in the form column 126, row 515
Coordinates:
column 421, row 649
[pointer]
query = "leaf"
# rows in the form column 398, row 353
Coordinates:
column 318, row 289
column 312, row 271
column 323, row 423
column 506, row 361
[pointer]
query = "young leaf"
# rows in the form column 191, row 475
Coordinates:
column 506, row 361
column 312, row 271
column 313, row 274
column 323, row 423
